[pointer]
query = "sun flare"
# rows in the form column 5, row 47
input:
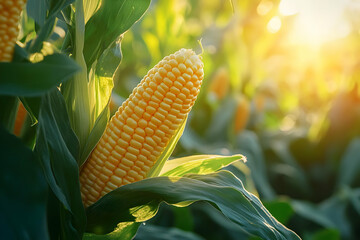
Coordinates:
column 317, row 22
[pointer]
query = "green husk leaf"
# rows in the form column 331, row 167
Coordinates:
column 201, row 164
column 75, row 91
column 156, row 169
column 101, row 77
column 90, row 7
column 140, row 201
column 95, row 134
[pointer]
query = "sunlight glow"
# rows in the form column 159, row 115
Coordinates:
column 264, row 7
column 274, row 24
column 316, row 22
column 289, row 7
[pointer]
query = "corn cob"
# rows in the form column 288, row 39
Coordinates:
column 259, row 102
column 9, row 19
column 20, row 119
column 220, row 83
column 242, row 113
column 143, row 125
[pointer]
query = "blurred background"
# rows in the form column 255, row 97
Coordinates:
column 282, row 87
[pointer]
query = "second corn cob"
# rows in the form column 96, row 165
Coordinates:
column 141, row 129
column 20, row 119
column 220, row 84
column 9, row 19
column 242, row 113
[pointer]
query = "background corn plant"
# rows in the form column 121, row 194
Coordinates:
column 302, row 133
column 61, row 72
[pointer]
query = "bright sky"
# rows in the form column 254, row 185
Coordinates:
column 317, row 21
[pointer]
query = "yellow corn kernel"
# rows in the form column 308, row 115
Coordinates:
column 160, row 104
column 9, row 18
column 242, row 113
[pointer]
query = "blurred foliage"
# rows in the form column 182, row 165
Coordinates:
column 280, row 89
column 301, row 135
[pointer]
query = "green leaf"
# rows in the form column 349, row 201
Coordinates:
column 32, row 105
column 355, row 199
column 156, row 169
column 37, row 9
column 183, row 219
column 34, row 79
column 152, row 232
column 248, row 144
column 36, row 44
column 337, row 210
column 350, row 164
column 124, row 231
column 95, row 134
column 311, row 212
column 201, row 164
column 326, row 234
column 112, row 19
column 44, row 13
column 9, row 106
column 109, row 59
column 20, row 54
column 205, row 215
column 57, row 147
column 40, row 10
column 139, row 202
column 23, row 191
column 90, row 7
column 280, row 209
column 101, row 83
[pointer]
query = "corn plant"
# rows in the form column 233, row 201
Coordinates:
column 73, row 174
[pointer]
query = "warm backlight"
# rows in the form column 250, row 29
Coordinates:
column 317, row 22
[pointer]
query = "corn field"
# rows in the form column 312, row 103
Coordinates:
column 180, row 119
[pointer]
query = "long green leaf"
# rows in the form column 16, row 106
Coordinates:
column 32, row 105
column 123, row 231
column 34, row 79
column 311, row 211
column 101, row 80
column 349, row 172
column 112, row 19
column 57, row 147
column 44, row 13
column 9, row 106
column 248, row 144
column 90, row 7
column 152, row 232
column 23, row 191
column 95, row 134
column 37, row 10
column 202, row 164
column 139, row 201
